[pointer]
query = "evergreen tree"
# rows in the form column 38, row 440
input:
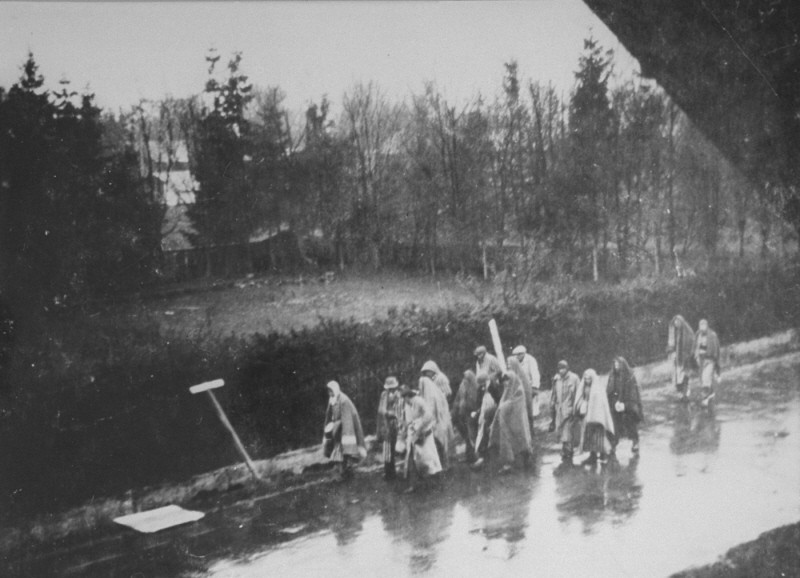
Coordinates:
column 75, row 223
column 590, row 130
column 226, row 208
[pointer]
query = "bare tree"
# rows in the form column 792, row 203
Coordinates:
column 371, row 125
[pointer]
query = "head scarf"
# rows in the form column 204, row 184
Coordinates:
column 624, row 368
column 430, row 365
column 334, row 387
column 681, row 338
column 467, row 395
column 598, row 409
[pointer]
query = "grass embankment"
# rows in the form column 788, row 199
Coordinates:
column 99, row 405
column 773, row 553
column 281, row 305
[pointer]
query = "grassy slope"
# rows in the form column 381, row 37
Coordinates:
column 267, row 304
column 773, row 553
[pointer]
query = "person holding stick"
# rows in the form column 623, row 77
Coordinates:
column 487, row 363
column 421, row 455
column 485, row 417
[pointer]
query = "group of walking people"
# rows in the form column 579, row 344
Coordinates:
column 593, row 415
column 699, row 351
column 495, row 406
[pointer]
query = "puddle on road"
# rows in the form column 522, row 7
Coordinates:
column 701, row 486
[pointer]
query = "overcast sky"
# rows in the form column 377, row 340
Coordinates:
column 127, row 51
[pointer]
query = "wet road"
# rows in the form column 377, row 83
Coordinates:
column 703, row 484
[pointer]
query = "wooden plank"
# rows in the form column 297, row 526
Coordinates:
column 207, row 385
column 159, row 519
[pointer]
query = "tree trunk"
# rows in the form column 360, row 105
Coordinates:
column 765, row 232
column 595, row 271
column 376, row 257
column 658, row 251
column 742, row 225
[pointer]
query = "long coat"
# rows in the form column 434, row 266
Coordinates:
column 390, row 413
column 510, row 432
column 467, row 402
column 597, row 411
column 516, row 367
column 352, row 441
column 435, row 398
column 622, row 386
column 562, row 406
column 530, row 369
column 420, row 424
column 680, row 340
column 680, row 345
column 711, row 350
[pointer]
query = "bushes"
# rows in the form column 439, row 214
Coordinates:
column 107, row 408
column 281, row 393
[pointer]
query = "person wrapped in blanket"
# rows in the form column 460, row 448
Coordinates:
column 530, row 373
column 510, row 434
column 422, row 458
column 435, row 397
column 431, row 370
column 390, row 416
column 597, row 425
column 343, row 437
column 489, row 394
column 706, row 355
column 625, row 402
column 563, row 420
column 466, row 407
column 680, row 348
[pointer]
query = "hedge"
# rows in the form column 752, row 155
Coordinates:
column 119, row 416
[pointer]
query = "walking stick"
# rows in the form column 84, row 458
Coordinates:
column 208, row 387
column 498, row 348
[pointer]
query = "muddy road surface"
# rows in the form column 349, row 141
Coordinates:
column 702, row 484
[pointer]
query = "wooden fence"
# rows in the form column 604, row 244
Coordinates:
column 282, row 253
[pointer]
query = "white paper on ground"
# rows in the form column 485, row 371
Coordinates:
column 159, row 519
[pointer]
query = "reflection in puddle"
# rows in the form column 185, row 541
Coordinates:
column 564, row 522
column 700, row 486
column 606, row 492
